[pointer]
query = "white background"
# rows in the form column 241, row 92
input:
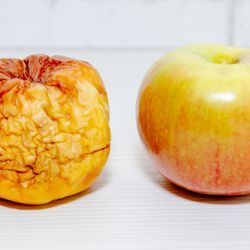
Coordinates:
column 130, row 206
column 123, row 23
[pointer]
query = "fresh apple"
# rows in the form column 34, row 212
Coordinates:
column 54, row 128
column 194, row 118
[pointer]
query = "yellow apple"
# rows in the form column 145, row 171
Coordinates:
column 194, row 118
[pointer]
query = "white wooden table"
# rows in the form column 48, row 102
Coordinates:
column 130, row 206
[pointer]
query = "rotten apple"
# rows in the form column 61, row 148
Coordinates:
column 54, row 128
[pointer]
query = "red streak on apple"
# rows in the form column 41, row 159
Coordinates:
column 217, row 166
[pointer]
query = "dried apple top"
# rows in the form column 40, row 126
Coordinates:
column 50, row 71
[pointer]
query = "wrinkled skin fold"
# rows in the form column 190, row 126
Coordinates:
column 54, row 128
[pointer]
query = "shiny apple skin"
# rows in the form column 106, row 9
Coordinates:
column 193, row 115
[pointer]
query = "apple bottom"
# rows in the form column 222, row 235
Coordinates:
column 186, row 180
column 78, row 178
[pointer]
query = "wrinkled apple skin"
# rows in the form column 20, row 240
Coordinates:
column 194, row 118
column 54, row 128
